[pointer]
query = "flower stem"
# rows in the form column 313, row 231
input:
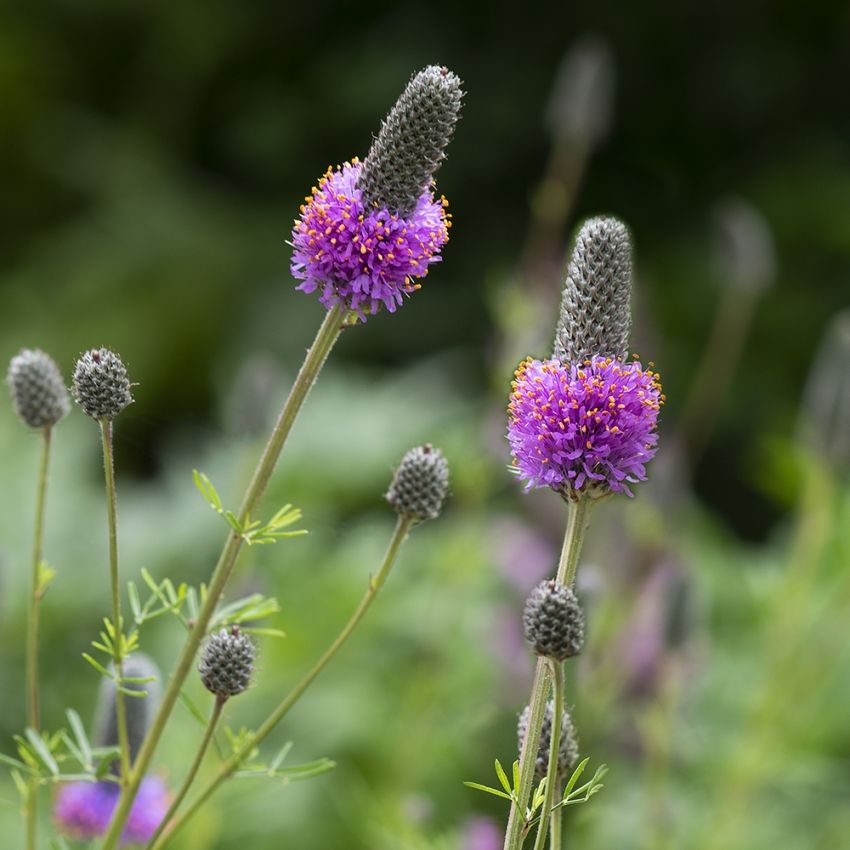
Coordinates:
column 33, row 710
column 118, row 636
column 336, row 319
column 215, row 715
column 573, row 538
column 400, row 533
column 556, row 671
column 555, row 839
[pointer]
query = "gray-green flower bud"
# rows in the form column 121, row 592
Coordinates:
column 596, row 316
column 568, row 751
column 420, row 484
column 38, row 391
column 100, row 384
column 553, row 621
column 227, row 663
column 139, row 710
column 412, row 140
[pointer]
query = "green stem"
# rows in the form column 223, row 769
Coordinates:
column 215, row 715
column 118, row 637
column 232, row 764
column 556, row 671
column 33, row 710
column 335, row 320
column 573, row 538
column 556, row 841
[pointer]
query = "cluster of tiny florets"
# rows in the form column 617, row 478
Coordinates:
column 38, row 391
column 567, row 751
column 100, row 384
column 583, row 428
column 83, row 810
column 359, row 256
column 553, row 621
column 420, row 484
column 227, row 663
column 412, row 141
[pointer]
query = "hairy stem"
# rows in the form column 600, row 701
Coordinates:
column 117, row 638
column 33, row 709
column 573, row 540
column 556, row 671
column 215, row 715
column 556, row 842
column 335, row 320
column 232, row 764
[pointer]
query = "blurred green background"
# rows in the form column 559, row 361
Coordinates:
column 152, row 158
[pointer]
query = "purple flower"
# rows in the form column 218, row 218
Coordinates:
column 83, row 809
column 583, row 427
column 364, row 257
column 481, row 833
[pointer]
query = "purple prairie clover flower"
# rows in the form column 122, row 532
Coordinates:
column 583, row 429
column 83, row 810
column 363, row 256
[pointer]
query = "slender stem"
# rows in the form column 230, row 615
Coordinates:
column 573, row 538
column 556, row 671
column 329, row 331
column 556, row 842
column 215, row 715
column 33, row 710
column 399, row 536
column 577, row 518
column 117, row 638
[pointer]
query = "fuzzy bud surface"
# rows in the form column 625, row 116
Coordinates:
column 227, row 663
column 553, row 621
column 100, row 384
column 38, row 391
column 420, row 484
column 595, row 318
column 568, row 751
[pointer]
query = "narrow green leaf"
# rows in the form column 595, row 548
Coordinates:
column 41, row 751
column 503, row 777
column 488, row 790
column 575, row 777
column 97, row 666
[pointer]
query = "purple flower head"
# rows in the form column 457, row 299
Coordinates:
column 83, row 809
column 364, row 257
column 583, row 427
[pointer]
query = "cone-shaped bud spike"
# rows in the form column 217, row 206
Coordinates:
column 227, row 663
column 139, row 710
column 411, row 144
column 568, row 751
column 553, row 621
column 38, row 391
column 596, row 316
column 101, row 386
column 420, row 484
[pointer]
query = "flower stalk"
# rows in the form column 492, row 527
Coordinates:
column 335, row 320
column 209, row 731
column 556, row 673
column 36, row 592
column 233, row 763
column 577, row 519
column 115, row 587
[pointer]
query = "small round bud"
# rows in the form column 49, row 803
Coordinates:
column 553, row 621
column 38, row 391
column 420, row 484
column 101, row 386
column 227, row 663
column 568, row 751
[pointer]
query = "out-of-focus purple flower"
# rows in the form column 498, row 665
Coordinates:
column 364, row 257
column 522, row 553
column 586, row 427
column 481, row 833
column 83, row 809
